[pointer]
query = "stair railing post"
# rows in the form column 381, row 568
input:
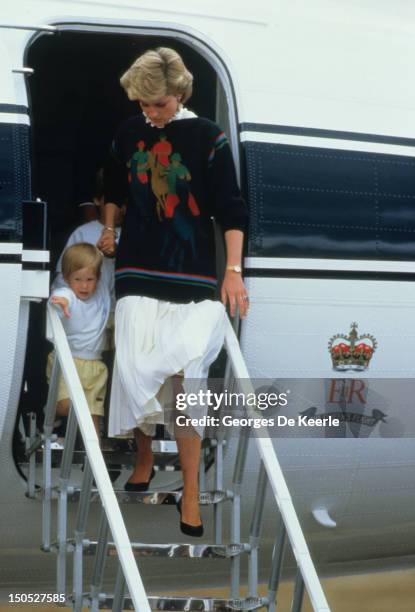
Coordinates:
column 236, row 507
column 219, row 446
column 32, row 458
column 50, row 410
column 99, row 561
column 80, row 528
column 255, row 531
column 276, row 566
column 218, row 508
column 235, row 539
column 119, row 592
column 66, row 464
column 298, row 592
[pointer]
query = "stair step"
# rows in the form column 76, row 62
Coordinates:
column 113, row 445
column 120, row 453
column 184, row 604
column 182, row 551
column 154, row 498
column 163, row 462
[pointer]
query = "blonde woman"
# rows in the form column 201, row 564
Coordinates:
column 178, row 173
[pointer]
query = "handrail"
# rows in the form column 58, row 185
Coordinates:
column 99, row 469
column 278, row 483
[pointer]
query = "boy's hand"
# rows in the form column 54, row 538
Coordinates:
column 63, row 303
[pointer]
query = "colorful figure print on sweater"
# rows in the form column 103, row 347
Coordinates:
column 175, row 203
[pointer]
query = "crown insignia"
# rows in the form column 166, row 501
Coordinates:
column 352, row 352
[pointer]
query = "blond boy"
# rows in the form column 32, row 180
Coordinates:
column 83, row 303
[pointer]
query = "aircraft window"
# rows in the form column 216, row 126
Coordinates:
column 309, row 202
column 14, row 184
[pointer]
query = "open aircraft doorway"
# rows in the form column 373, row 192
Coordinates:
column 76, row 105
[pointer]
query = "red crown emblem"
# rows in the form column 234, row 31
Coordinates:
column 352, row 352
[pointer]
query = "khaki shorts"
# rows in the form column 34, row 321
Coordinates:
column 93, row 375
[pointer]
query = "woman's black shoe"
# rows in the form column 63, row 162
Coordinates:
column 139, row 487
column 195, row 531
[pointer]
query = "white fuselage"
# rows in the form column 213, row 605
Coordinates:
column 307, row 92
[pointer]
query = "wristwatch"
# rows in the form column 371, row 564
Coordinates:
column 234, row 268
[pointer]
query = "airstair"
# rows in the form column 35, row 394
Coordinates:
column 82, row 589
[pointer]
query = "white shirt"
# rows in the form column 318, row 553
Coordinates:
column 91, row 232
column 181, row 113
column 85, row 328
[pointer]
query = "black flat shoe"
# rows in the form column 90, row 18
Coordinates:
column 195, row 531
column 139, row 487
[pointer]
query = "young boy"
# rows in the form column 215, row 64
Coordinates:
column 84, row 305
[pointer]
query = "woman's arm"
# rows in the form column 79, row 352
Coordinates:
column 230, row 211
column 233, row 288
column 115, row 183
column 107, row 241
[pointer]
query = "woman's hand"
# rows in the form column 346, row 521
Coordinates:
column 234, row 291
column 62, row 302
column 107, row 243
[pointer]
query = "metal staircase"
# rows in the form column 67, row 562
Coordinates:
column 113, row 541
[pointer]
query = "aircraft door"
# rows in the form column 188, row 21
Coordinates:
column 22, row 274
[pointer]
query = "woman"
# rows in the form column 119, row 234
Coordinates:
column 179, row 173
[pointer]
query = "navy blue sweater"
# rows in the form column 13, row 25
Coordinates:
column 177, row 179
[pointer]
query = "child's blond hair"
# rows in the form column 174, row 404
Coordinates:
column 81, row 255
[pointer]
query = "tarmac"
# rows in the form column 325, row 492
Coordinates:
column 392, row 591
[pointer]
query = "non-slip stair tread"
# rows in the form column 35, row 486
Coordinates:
column 172, row 550
column 156, row 498
column 187, row 604
column 163, row 462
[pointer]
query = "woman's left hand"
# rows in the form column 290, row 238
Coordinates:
column 107, row 243
column 234, row 291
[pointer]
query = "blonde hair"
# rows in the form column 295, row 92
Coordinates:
column 81, row 255
column 158, row 73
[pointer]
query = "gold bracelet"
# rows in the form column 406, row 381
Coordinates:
column 109, row 228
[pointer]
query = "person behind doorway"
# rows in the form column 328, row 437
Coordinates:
column 91, row 232
column 89, row 211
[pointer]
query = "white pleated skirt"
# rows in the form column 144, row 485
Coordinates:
column 155, row 340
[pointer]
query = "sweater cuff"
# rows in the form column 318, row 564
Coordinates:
column 234, row 225
column 234, row 217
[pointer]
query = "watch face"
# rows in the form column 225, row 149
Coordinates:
column 237, row 268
